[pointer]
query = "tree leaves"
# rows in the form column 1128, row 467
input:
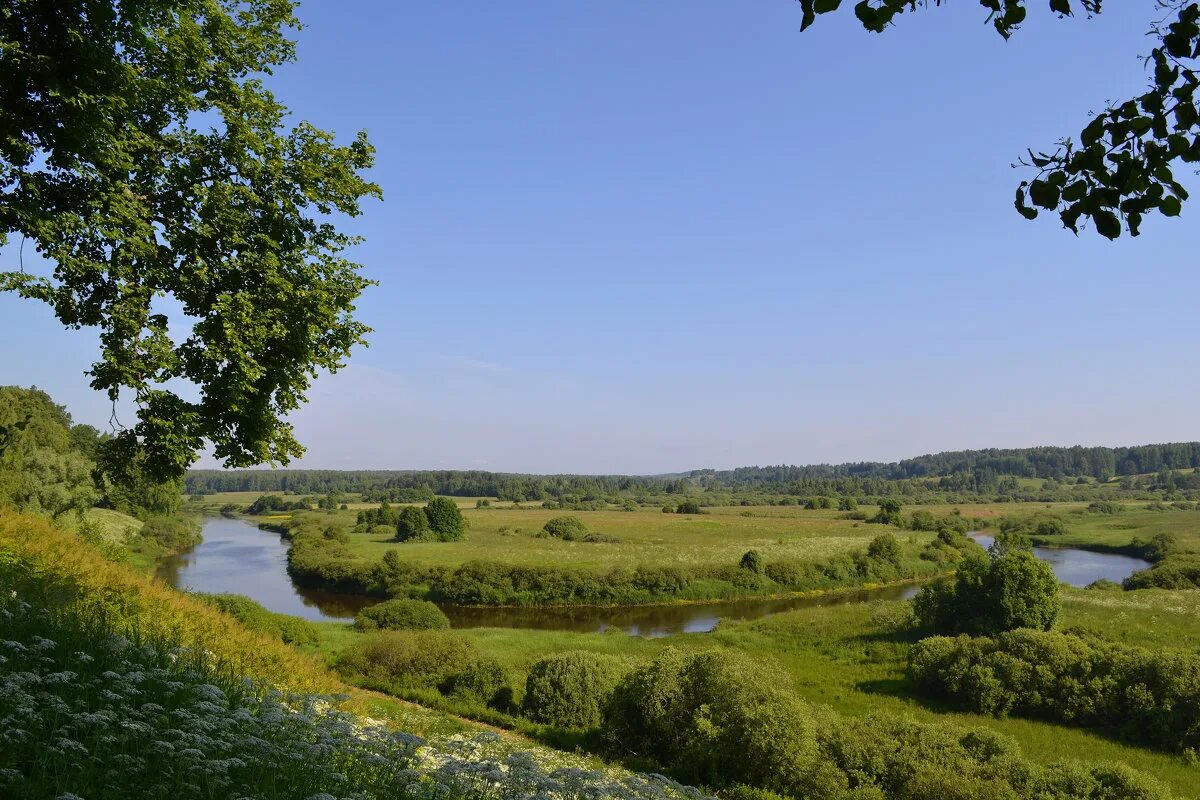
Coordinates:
column 1118, row 169
column 142, row 155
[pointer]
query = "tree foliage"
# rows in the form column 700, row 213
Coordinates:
column 1009, row 588
column 1121, row 165
column 143, row 157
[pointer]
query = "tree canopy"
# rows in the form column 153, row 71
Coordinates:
column 143, row 157
column 1121, row 164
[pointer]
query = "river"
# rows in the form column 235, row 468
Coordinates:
column 235, row 556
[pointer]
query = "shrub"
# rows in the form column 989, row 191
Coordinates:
column 889, row 513
column 885, row 548
column 384, row 515
column 1148, row 696
column 1179, row 571
column 752, row 561
column 171, row 532
column 990, row 594
column 482, row 681
column 1106, row 507
column 445, row 520
column 922, row 520
column 402, row 614
column 411, row 524
column 689, row 507
column 714, row 717
column 570, row 689
column 847, row 504
column 566, row 528
column 398, row 660
column 290, row 630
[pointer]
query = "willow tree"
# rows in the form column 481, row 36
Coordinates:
column 144, row 158
column 1121, row 165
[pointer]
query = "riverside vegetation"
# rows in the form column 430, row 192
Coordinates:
column 892, row 700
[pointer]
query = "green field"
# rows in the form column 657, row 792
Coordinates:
column 722, row 535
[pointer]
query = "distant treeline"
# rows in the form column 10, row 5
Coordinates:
column 963, row 471
column 1100, row 463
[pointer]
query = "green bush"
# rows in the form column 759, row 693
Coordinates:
column 885, row 548
column 566, row 528
column 411, row 524
column 482, row 681
column 402, row 614
column 991, row 593
column 689, row 507
column 398, row 660
column 753, row 561
column 569, row 689
column 445, row 520
column 1150, row 696
column 714, row 718
column 1178, row 571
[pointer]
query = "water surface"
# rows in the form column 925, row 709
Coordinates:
column 235, row 556
column 1081, row 567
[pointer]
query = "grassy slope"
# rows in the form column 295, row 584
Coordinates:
column 67, row 569
column 839, row 657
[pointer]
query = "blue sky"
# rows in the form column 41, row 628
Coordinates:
column 641, row 237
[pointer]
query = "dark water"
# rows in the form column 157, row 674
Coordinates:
column 1081, row 567
column 238, row 557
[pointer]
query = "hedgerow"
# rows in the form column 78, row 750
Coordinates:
column 1149, row 696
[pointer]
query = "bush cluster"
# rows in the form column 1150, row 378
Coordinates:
column 274, row 504
column 402, row 614
column 721, row 718
column 570, row 689
column 1149, row 696
column 991, row 593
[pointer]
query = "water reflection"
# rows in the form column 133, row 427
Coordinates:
column 238, row 557
column 1081, row 567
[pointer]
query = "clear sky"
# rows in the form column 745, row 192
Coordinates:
column 642, row 237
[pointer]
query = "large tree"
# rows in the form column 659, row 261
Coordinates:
column 143, row 157
column 1121, row 165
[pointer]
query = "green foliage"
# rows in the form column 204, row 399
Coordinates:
column 886, row 548
column 753, row 561
column 1177, row 571
column 1143, row 695
column 713, row 717
column 689, row 507
column 988, row 595
column 385, row 516
column 143, row 156
column 889, row 513
column 569, row 690
column 847, row 504
column 1122, row 165
column 402, row 614
column 411, row 524
column 1105, row 507
column 41, row 468
column 399, row 660
column 568, row 529
column 445, row 520
column 274, row 504
column 290, row 630
column 482, row 681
